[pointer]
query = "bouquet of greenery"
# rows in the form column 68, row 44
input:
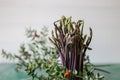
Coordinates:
column 63, row 59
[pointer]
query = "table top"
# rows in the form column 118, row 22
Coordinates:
column 7, row 72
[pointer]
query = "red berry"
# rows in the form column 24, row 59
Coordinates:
column 67, row 74
column 35, row 35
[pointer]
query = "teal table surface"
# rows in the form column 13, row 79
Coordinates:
column 7, row 72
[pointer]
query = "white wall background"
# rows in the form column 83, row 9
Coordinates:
column 102, row 15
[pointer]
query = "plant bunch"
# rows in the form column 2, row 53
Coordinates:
column 40, row 59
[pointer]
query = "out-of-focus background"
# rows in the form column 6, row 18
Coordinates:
column 102, row 15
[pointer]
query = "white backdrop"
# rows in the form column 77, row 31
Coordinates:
column 102, row 15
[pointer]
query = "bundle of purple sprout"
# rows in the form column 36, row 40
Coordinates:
column 71, row 43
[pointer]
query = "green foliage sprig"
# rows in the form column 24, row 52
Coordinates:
column 36, row 56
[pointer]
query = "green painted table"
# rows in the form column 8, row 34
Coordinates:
column 7, row 72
